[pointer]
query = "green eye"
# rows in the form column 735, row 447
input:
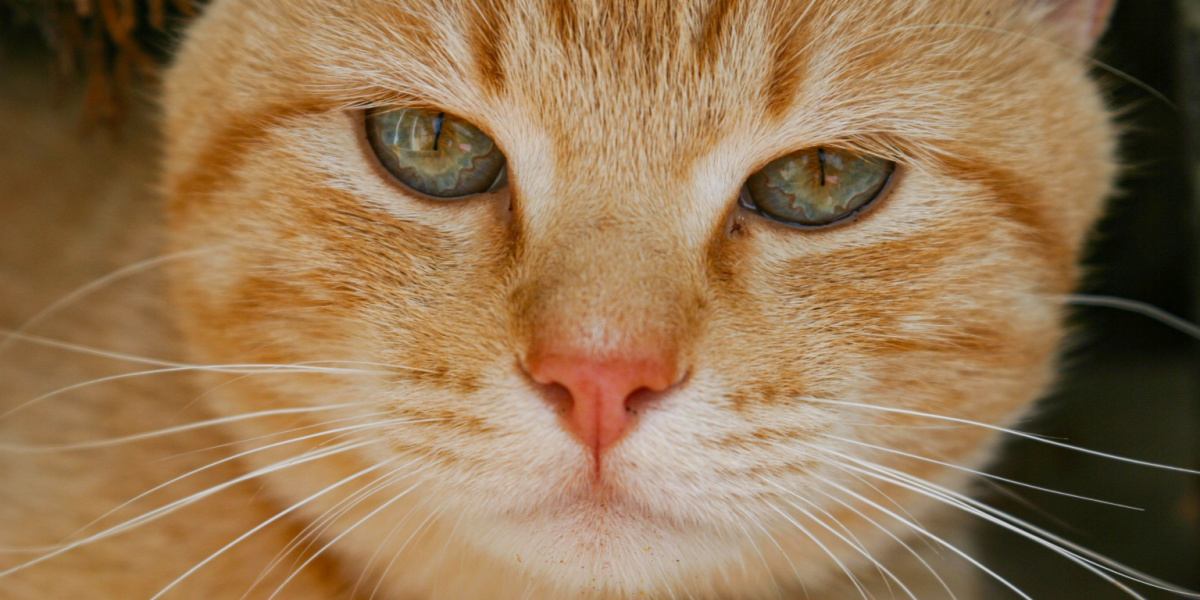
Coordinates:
column 816, row 187
column 435, row 153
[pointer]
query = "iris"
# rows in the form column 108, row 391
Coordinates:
column 817, row 186
column 436, row 154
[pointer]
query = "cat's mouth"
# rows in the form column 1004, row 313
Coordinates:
column 594, row 507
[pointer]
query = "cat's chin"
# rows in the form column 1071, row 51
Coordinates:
column 598, row 536
column 602, row 544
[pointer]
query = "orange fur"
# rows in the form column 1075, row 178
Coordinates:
column 629, row 129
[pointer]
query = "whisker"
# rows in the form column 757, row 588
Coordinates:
column 924, row 532
column 929, row 490
column 1012, row 495
column 997, row 428
column 274, row 434
column 983, row 474
column 171, row 507
column 253, row 369
column 1084, row 554
column 886, row 532
column 38, row 340
column 156, row 488
column 763, row 558
column 98, row 284
column 139, row 359
column 317, row 527
column 1138, row 83
column 137, row 437
column 899, row 507
column 231, row 458
column 1098, row 564
column 1140, row 308
column 853, row 544
column 279, row 515
column 396, row 555
column 339, row 537
column 853, row 579
column 370, row 563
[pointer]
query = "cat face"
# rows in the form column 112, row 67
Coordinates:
column 608, row 373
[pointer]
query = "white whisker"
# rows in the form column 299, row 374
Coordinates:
column 318, row 526
column 852, row 543
column 97, row 284
column 228, row 459
column 997, row 428
column 763, row 558
column 254, row 369
column 1083, row 554
column 1145, row 87
column 887, row 532
column 1101, row 568
column 137, row 437
column 279, row 515
column 1141, row 308
column 273, row 434
column 171, row 507
column 925, row 533
column 899, row 508
column 339, row 537
column 929, row 490
column 139, row 359
column 396, row 555
column 853, row 579
column 983, row 473
column 370, row 562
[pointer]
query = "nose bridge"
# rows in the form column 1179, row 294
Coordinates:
column 608, row 280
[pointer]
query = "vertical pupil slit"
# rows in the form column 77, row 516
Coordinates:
column 820, row 163
column 437, row 128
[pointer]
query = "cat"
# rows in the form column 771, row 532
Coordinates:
column 544, row 299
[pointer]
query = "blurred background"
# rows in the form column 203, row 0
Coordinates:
column 1131, row 386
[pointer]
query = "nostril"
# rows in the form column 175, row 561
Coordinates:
column 557, row 396
column 641, row 399
column 644, row 398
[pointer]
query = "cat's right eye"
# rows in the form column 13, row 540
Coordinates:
column 436, row 154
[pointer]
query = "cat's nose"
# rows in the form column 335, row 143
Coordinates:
column 604, row 392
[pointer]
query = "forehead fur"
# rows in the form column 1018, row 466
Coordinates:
column 640, row 80
column 646, row 89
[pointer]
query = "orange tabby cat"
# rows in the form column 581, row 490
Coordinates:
column 548, row 299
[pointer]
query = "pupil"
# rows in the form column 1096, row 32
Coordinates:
column 821, row 164
column 437, row 128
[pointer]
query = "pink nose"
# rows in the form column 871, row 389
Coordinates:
column 601, row 390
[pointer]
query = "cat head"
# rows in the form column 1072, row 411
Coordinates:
column 709, row 237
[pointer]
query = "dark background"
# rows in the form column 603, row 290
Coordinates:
column 1131, row 386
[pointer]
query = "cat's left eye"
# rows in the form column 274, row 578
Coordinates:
column 436, row 154
column 817, row 187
